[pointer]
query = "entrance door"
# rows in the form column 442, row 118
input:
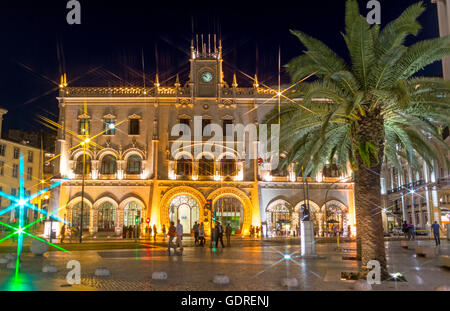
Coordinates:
column 184, row 213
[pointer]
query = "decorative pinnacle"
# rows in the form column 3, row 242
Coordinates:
column 256, row 84
column 157, row 81
column 234, row 81
column 177, row 81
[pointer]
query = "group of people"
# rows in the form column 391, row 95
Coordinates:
column 73, row 232
column 149, row 231
column 410, row 232
column 176, row 235
column 254, row 231
column 199, row 234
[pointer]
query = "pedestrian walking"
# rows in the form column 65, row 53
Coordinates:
column 63, row 232
column 155, row 232
column 172, row 235
column 73, row 233
column 195, row 229
column 405, row 229
column 228, row 231
column 257, row 231
column 150, row 232
column 411, row 234
column 201, row 235
column 218, row 234
column 164, row 232
column 179, row 235
column 435, row 228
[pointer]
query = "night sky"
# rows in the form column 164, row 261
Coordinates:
column 37, row 44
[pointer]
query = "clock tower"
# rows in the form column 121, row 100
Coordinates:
column 206, row 68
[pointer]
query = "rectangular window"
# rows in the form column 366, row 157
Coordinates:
column 2, row 168
column 205, row 122
column 2, row 150
column 30, row 156
column 13, row 192
column 1, row 189
column 134, row 127
column 110, row 128
column 16, row 152
column 224, row 126
column 185, row 121
column 29, row 173
column 83, row 128
column 15, row 171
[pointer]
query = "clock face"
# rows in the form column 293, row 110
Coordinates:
column 206, row 76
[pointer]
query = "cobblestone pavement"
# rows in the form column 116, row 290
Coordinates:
column 254, row 267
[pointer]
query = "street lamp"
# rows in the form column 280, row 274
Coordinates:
column 83, row 143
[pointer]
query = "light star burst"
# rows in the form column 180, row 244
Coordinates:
column 23, row 203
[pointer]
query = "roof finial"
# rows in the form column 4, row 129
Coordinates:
column 177, row 81
column 256, row 84
column 234, row 80
column 157, row 80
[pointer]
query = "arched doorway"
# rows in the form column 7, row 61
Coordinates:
column 186, row 209
column 315, row 217
column 229, row 210
column 279, row 218
column 106, row 217
column 335, row 219
column 76, row 215
column 132, row 210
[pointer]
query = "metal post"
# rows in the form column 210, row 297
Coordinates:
column 82, row 192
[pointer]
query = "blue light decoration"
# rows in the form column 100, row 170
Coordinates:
column 23, row 203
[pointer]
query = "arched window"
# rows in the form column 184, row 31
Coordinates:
column 106, row 217
column 131, row 211
column 206, row 166
column 108, row 165
column 134, row 164
column 76, row 216
column 79, row 165
column 228, row 167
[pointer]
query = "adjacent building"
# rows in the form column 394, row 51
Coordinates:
column 10, row 173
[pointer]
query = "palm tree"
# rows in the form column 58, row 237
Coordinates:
column 370, row 110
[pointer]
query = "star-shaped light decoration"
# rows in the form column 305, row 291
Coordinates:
column 23, row 203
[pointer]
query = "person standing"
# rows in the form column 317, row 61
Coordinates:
column 154, row 232
column 257, row 231
column 405, row 228
column 218, row 233
column 195, row 228
column 228, row 230
column 179, row 235
column 172, row 235
column 150, row 232
column 164, row 232
column 201, row 235
column 63, row 232
column 435, row 228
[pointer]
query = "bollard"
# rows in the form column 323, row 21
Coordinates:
column 289, row 282
column 221, row 279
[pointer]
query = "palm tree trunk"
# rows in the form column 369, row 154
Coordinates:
column 369, row 223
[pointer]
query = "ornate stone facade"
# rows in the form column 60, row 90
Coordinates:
column 124, row 135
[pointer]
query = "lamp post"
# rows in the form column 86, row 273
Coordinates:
column 82, row 188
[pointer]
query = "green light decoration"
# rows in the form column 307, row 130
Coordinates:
column 23, row 203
